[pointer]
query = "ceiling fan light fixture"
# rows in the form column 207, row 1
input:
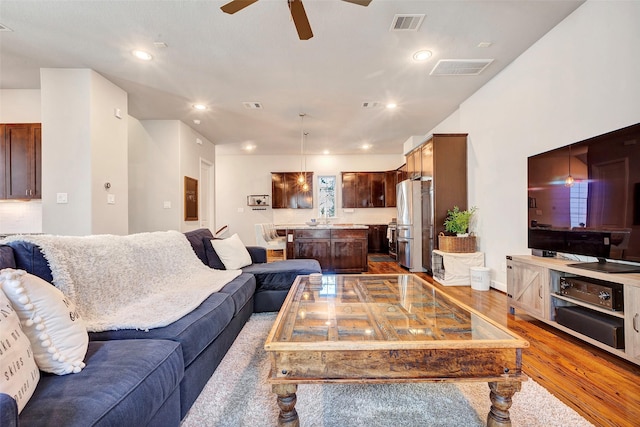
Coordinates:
column 391, row 105
column 199, row 107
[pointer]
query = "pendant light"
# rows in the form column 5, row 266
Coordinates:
column 302, row 178
column 569, row 181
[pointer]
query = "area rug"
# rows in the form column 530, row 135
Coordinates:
column 238, row 395
column 381, row 258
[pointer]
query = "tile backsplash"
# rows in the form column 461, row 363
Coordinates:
column 20, row 217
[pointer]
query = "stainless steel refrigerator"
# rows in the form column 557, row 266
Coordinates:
column 409, row 228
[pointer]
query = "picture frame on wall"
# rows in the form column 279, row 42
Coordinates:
column 190, row 199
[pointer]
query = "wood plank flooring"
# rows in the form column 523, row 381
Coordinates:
column 601, row 387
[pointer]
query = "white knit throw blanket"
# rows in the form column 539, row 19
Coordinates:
column 140, row 281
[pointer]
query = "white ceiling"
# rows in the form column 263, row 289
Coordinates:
column 254, row 55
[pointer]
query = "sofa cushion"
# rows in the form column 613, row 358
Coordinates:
column 19, row 373
column 279, row 275
column 6, row 257
column 199, row 240
column 50, row 321
column 232, row 252
column 125, row 383
column 194, row 331
column 240, row 290
column 29, row 258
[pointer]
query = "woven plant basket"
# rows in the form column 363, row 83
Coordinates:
column 456, row 244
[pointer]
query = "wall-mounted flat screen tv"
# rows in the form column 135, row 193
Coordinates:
column 584, row 199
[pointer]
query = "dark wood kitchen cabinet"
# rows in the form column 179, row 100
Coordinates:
column 349, row 250
column 338, row 250
column 378, row 242
column 313, row 244
column 21, row 156
column 287, row 193
column 363, row 189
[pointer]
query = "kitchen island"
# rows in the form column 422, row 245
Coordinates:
column 339, row 248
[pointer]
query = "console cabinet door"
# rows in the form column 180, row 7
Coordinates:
column 632, row 321
column 527, row 288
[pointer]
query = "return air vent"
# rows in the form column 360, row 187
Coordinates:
column 252, row 105
column 371, row 104
column 460, row 67
column 407, row 22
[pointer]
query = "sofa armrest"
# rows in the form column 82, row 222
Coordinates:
column 258, row 254
column 8, row 411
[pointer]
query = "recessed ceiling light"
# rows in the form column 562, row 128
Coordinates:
column 325, row 152
column 366, row 146
column 422, row 55
column 249, row 147
column 196, row 121
column 391, row 105
column 484, row 44
column 141, row 54
column 199, row 107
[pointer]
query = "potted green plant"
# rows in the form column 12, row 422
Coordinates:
column 457, row 221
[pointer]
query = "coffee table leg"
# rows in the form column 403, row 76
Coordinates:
column 286, row 402
column 501, row 394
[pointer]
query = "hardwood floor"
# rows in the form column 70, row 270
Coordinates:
column 603, row 388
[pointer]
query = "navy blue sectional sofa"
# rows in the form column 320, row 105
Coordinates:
column 151, row 378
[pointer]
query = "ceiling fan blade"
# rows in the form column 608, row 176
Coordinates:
column 236, row 5
column 300, row 19
column 360, row 2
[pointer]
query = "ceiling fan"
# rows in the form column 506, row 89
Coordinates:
column 298, row 14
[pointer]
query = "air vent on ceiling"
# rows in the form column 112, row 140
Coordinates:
column 371, row 104
column 409, row 22
column 460, row 67
column 252, row 105
column 5, row 28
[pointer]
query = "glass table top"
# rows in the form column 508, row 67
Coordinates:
column 383, row 311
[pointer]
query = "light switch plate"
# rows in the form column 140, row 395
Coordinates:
column 61, row 198
column 111, row 199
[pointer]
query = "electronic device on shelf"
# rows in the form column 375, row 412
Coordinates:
column 597, row 292
column 584, row 199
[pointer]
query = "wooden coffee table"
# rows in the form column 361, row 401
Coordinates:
column 383, row 329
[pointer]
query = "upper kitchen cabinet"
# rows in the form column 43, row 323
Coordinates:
column 390, row 181
column 414, row 164
column 21, row 155
column 363, row 189
column 287, row 193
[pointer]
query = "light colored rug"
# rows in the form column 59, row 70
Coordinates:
column 238, row 395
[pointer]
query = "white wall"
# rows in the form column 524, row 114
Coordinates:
column 20, row 106
column 193, row 148
column 579, row 80
column 85, row 147
column 161, row 153
column 238, row 176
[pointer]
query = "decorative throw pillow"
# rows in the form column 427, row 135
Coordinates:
column 232, row 252
column 19, row 373
column 58, row 336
